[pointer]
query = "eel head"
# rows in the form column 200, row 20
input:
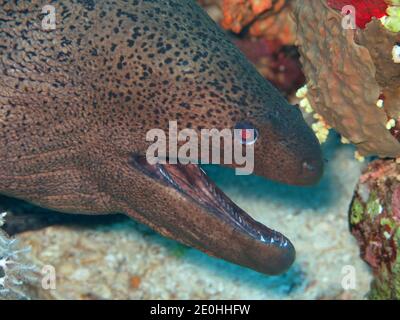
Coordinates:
column 218, row 88
column 187, row 206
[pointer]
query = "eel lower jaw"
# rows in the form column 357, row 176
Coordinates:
column 194, row 184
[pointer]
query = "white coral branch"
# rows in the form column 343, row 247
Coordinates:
column 2, row 216
column 14, row 272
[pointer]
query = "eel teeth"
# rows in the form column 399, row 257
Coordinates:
column 167, row 176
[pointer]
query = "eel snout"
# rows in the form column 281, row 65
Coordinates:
column 287, row 149
column 208, row 220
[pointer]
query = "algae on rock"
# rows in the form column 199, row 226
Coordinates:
column 375, row 222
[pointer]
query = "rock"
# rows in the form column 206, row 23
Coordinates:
column 375, row 222
column 352, row 80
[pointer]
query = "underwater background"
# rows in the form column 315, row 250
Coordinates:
column 347, row 86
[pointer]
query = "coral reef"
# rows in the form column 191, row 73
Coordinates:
column 269, row 19
column 375, row 222
column 14, row 271
column 357, row 94
column 266, row 36
column 279, row 64
column 365, row 10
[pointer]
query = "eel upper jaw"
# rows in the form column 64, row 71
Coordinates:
column 194, row 184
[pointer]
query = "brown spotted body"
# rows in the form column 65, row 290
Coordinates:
column 76, row 103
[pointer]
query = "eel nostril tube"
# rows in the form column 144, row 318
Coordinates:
column 308, row 166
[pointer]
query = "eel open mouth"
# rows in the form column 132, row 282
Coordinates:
column 191, row 181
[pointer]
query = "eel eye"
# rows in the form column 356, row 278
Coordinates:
column 246, row 133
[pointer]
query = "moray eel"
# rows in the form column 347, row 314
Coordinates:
column 76, row 103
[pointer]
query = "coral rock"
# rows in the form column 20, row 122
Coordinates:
column 348, row 72
column 375, row 223
column 268, row 19
column 269, row 40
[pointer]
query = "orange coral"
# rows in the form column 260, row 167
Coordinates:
column 267, row 18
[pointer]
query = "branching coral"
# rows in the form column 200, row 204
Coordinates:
column 13, row 271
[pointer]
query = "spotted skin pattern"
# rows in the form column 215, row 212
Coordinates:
column 76, row 103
